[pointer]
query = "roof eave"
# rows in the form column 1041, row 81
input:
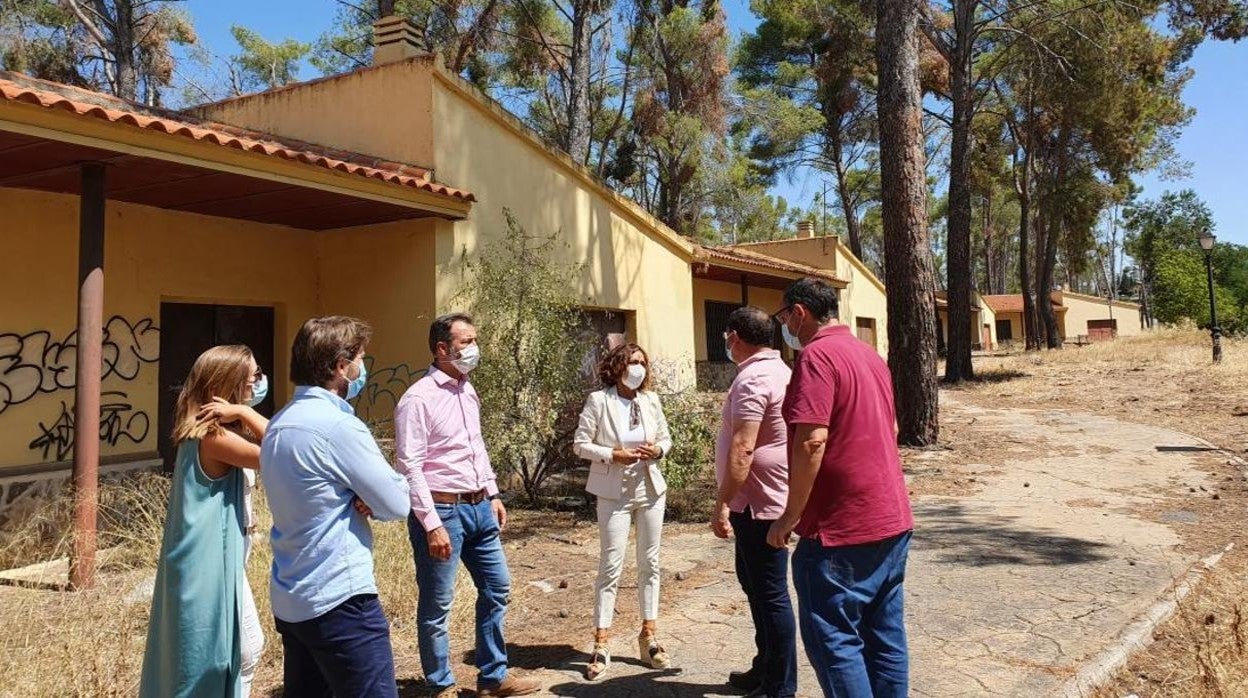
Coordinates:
column 62, row 124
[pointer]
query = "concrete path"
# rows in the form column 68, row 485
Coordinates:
column 1009, row 591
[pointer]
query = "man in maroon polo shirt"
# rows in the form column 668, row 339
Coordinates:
column 847, row 501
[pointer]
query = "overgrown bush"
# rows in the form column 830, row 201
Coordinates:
column 693, row 418
column 534, row 339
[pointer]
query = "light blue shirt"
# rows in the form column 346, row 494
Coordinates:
column 317, row 457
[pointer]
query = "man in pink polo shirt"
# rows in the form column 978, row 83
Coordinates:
column 456, row 513
column 752, row 468
column 847, row 500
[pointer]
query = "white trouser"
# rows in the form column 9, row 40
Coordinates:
column 252, row 634
column 614, row 519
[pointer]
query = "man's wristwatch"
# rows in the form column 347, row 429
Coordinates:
column 494, row 496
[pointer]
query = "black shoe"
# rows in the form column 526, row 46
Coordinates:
column 745, row 680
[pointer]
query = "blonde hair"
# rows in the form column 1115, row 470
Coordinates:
column 222, row 372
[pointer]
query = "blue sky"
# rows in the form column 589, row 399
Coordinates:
column 1215, row 142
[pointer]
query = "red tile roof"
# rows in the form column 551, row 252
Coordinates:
column 15, row 87
column 765, row 261
column 1013, row 303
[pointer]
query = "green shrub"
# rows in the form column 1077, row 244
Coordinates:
column 534, row 340
column 693, row 418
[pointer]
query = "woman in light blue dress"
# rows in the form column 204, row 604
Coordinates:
column 203, row 638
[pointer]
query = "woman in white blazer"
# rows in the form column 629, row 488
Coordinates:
column 623, row 434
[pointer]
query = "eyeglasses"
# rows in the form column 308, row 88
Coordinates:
column 775, row 317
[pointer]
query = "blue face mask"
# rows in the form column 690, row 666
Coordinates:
column 259, row 391
column 356, row 386
column 790, row 339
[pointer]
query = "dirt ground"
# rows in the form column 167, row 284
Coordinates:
column 1166, row 380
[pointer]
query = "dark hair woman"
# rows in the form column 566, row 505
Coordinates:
column 623, row 434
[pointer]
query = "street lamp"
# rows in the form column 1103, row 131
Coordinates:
column 1207, row 240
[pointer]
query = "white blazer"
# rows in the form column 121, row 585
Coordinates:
column 599, row 434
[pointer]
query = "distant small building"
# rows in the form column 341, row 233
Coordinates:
column 983, row 323
column 1080, row 317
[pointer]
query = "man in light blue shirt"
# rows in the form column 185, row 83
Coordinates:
column 319, row 464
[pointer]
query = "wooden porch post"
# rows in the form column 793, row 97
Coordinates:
column 87, row 378
column 745, row 290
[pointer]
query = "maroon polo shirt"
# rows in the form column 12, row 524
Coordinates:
column 860, row 493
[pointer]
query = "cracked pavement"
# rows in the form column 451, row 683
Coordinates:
column 1009, row 589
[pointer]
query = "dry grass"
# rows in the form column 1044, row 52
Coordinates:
column 88, row 643
column 1166, row 379
column 1201, row 650
column 91, row 643
column 131, row 515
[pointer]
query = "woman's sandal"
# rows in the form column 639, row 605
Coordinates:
column 652, row 652
column 599, row 662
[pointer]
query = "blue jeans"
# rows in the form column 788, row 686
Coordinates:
column 852, row 616
column 343, row 653
column 474, row 535
column 763, row 572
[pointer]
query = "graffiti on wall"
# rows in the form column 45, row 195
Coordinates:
column 118, row 420
column 36, row 363
column 381, row 394
column 39, row 363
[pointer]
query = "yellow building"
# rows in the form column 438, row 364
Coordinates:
column 727, row 278
column 1094, row 319
column 983, row 322
column 358, row 194
column 864, row 302
column 1080, row 318
column 208, row 233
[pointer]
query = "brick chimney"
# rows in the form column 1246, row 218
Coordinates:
column 396, row 39
column 805, row 229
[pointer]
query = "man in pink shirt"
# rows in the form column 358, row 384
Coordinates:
column 751, row 467
column 456, row 512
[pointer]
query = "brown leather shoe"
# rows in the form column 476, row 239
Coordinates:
column 448, row 692
column 511, row 686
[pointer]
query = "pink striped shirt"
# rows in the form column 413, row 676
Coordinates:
column 437, row 437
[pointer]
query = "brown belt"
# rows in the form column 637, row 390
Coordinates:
column 459, row 498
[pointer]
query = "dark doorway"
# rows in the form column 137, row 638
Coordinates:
column 187, row 330
column 1005, row 331
column 716, row 325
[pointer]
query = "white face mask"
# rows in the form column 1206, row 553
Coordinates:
column 634, row 377
column 468, row 358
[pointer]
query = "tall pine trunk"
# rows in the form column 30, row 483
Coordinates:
column 1052, row 334
column 958, row 366
column 1031, row 337
column 910, row 278
column 1047, row 257
column 836, row 144
column 578, row 134
column 125, row 52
